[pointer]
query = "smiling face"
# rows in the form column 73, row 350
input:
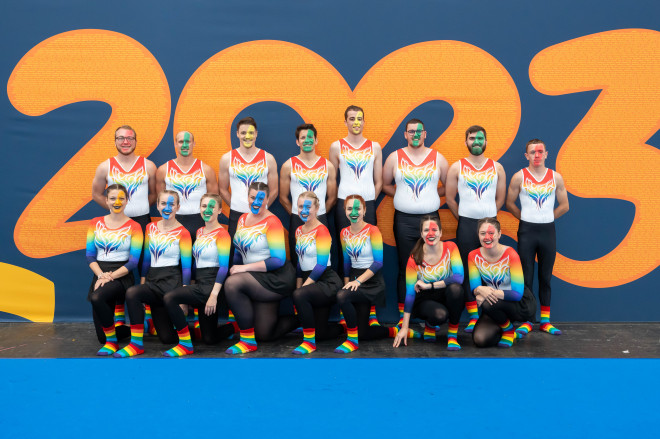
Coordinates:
column 307, row 209
column 247, row 134
column 431, row 232
column 489, row 237
column 116, row 201
column 355, row 122
column 209, row 209
column 415, row 135
column 167, row 206
column 536, row 154
column 354, row 210
column 306, row 140
column 256, row 200
column 125, row 141
column 184, row 144
column 476, row 143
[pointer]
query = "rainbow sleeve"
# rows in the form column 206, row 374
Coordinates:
column 275, row 238
column 146, row 262
column 347, row 258
column 517, row 282
column 323, row 241
column 90, row 247
column 376, row 248
column 411, row 280
column 185, row 252
column 223, row 242
column 456, row 265
column 136, row 247
column 473, row 272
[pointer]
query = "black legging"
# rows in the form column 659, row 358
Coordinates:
column 294, row 223
column 436, row 306
column 103, row 301
column 257, row 307
column 355, row 306
column 406, row 235
column 467, row 239
column 232, row 224
column 313, row 307
column 538, row 240
column 341, row 222
column 487, row 331
column 139, row 294
column 143, row 221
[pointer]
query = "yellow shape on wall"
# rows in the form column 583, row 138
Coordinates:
column 26, row 294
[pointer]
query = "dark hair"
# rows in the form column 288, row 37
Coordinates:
column 411, row 121
column 355, row 197
column 305, row 126
column 216, row 197
column 259, row 186
column 246, row 121
column 353, row 108
column 489, row 220
column 475, row 129
column 534, row 142
column 115, row 187
column 417, row 252
column 168, row 192
column 126, row 127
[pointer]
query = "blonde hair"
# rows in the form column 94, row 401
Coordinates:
column 311, row 195
column 175, row 194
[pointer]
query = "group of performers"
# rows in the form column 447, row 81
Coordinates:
column 188, row 260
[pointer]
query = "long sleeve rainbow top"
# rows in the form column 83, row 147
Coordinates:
column 363, row 249
column 212, row 250
column 313, row 250
column 505, row 274
column 449, row 269
column 263, row 241
column 166, row 249
column 114, row 245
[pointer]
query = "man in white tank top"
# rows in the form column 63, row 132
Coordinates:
column 417, row 172
column 191, row 178
column 481, row 186
column 306, row 172
column 538, row 188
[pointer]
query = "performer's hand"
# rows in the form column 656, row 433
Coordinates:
column 235, row 269
column 352, row 285
column 401, row 335
column 211, row 304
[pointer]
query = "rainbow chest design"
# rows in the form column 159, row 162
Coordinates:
column 204, row 245
column 309, row 178
column 112, row 240
column 305, row 243
column 416, row 177
column 247, row 237
column 185, row 183
column 478, row 180
column 248, row 172
column 358, row 159
column 497, row 274
column 355, row 244
column 434, row 273
column 538, row 191
column 132, row 179
column 161, row 243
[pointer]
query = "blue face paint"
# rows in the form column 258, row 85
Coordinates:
column 304, row 212
column 169, row 206
column 258, row 201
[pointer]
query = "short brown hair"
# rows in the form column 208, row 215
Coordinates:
column 305, row 126
column 534, row 142
column 411, row 121
column 246, row 121
column 475, row 129
column 353, row 108
column 126, row 127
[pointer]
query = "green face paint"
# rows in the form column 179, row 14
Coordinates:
column 308, row 143
column 478, row 145
column 208, row 212
column 417, row 137
column 185, row 145
column 355, row 211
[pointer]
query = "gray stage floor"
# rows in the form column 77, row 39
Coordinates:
column 579, row 340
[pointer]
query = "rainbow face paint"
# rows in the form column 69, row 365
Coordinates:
column 304, row 212
column 354, row 213
column 478, row 145
column 308, row 142
column 417, row 137
column 356, row 122
column 258, row 202
column 207, row 214
column 488, row 238
column 185, row 144
column 247, row 135
column 432, row 234
column 166, row 212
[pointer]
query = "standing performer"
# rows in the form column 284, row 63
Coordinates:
column 538, row 187
column 166, row 266
column 316, row 283
column 261, row 276
column 496, row 280
column 306, row 172
column 434, row 277
column 417, row 172
column 481, row 185
column 114, row 243
column 191, row 178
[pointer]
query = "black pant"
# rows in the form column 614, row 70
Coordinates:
column 538, row 240
column 341, row 222
column 234, row 216
column 143, row 221
column 294, row 223
column 487, row 331
column 103, row 301
column 313, row 307
column 467, row 239
column 437, row 306
column 139, row 294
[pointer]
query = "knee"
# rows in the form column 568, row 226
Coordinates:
column 480, row 339
column 230, row 287
column 486, row 307
column 455, row 292
column 298, row 296
column 438, row 317
column 132, row 293
column 342, row 296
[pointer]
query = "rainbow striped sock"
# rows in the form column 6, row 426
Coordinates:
column 508, row 335
column 136, row 347
column 546, row 326
column 351, row 343
column 110, row 346
column 414, row 334
column 309, row 342
column 473, row 311
column 394, row 330
column 197, row 331
column 401, row 305
column 342, row 320
column 429, row 332
column 232, row 319
column 247, row 343
column 148, row 321
column 523, row 330
column 120, row 315
column 299, row 329
column 452, row 335
column 185, row 346
column 373, row 319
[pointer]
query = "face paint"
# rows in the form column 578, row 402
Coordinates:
column 258, row 202
column 489, row 237
column 169, row 207
column 248, row 138
column 356, row 128
column 355, row 211
column 478, row 145
column 431, row 237
column 304, row 212
column 119, row 202
column 185, row 145
column 536, row 154
column 308, row 143
column 208, row 212
column 417, row 137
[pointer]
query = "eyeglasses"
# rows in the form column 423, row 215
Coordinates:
column 121, row 139
column 413, row 132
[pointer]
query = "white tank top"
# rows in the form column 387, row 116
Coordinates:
column 477, row 188
column 243, row 173
column 304, row 178
column 537, row 198
column 190, row 185
column 136, row 182
column 416, row 184
column 356, row 169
